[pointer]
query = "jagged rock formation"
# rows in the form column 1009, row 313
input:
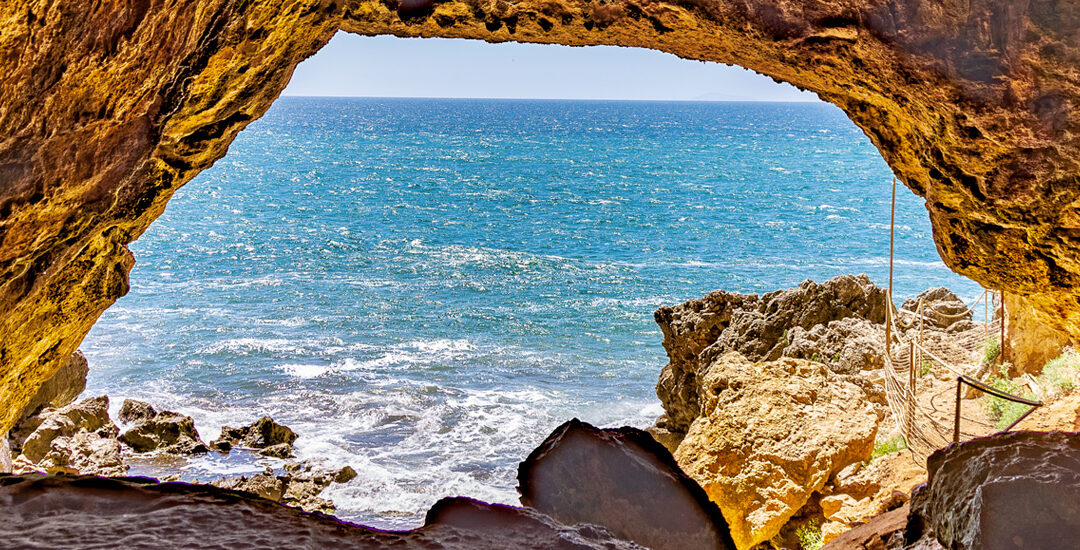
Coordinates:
column 624, row 480
column 77, row 438
column 834, row 317
column 83, row 512
column 62, row 389
column 264, row 435
column 1011, row 490
column 884, row 532
column 863, row 491
column 770, row 435
column 165, row 431
column 107, row 109
column 298, row 487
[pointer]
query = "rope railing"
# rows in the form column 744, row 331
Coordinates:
column 925, row 426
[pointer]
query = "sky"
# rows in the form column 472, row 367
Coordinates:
column 386, row 66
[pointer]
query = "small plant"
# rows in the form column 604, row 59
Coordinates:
column 1003, row 412
column 1059, row 374
column 889, row 446
column 927, row 365
column 991, row 350
column 809, row 535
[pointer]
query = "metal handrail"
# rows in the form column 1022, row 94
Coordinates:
column 962, row 379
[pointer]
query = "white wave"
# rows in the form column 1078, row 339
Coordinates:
column 306, row 371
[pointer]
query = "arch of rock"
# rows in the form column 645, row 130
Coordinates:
column 106, row 108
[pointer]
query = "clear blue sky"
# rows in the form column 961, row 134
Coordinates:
column 387, row 66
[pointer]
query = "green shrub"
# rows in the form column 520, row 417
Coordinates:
column 991, row 350
column 1003, row 412
column 891, row 445
column 927, row 365
column 810, row 537
column 1058, row 374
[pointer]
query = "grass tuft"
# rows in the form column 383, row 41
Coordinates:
column 889, row 446
column 809, row 535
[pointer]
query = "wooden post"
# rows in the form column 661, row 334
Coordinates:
column 889, row 293
column 956, row 415
column 1001, row 347
column 911, row 391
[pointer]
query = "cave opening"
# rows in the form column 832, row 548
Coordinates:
column 423, row 288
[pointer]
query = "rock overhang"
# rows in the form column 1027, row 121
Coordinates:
column 107, row 110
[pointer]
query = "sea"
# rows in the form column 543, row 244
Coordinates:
column 423, row 289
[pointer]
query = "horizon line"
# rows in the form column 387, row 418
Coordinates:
column 332, row 96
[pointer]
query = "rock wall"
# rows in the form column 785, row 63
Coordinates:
column 107, row 108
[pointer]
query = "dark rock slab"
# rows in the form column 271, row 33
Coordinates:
column 884, row 532
column 134, row 513
column 1011, row 490
column 625, row 481
column 261, row 434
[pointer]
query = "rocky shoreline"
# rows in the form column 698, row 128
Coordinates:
column 57, row 435
column 775, row 423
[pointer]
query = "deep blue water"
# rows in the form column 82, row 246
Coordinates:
column 425, row 288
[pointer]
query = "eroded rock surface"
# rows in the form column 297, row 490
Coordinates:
column 1010, row 490
column 62, row 389
column 107, row 109
column 166, row 431
column 299, row 486
column 66, row 512
column 763, row 327
column 79, row 438
column 264, row 435
column 770, row 435
column 623, row 480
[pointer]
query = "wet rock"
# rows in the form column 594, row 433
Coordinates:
column 167, row 432
column 1010, row 490
column 345, row 475
column 760, row 328
column 62, row 389
column 133, row 411
column 83, row 512
column 770, row 435
column 264, row 485
column 261, row 434
column 623, row 480
column 88, row 415
column 281, row 450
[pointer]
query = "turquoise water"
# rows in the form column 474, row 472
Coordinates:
column 423, row 289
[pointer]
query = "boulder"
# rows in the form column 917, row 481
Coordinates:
column 261, row 434
column 761, row 328
column 1009, row 490
column 281, row 450
column 87, row 453
column 62, row 389
column 623, row 480
column 88, row 415
column 770, row 435
column 298, row 487
column 941, row 307
column 264, row 485
column 863, row 491
column 848, row 345
column 168, row 432
column 131, row 513
column 133, row 411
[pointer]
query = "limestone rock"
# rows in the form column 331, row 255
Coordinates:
column 83, row 512
column 761, row 328
column 299, row 487
column 345, row 475
column 265, row 486
column 63, row 388
column 133, row 411
column 847, row 345
column 87, row 453
column 623, row 480
column 167, row 431
column 770, row 435
column 89, row 415
column 1010, row 490
column 261, row 434
column 281, row 450
column 941, row 307
column 861, row 491
column 883, row 532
